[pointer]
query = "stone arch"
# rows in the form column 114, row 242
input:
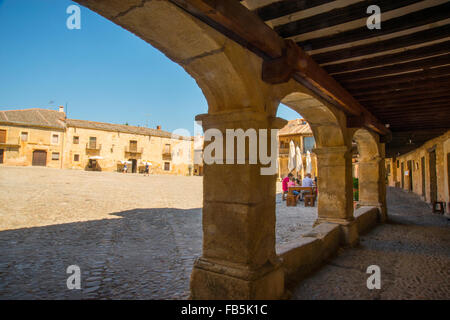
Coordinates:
column 238, row 256
column 371, row 174
column 333, row 152
column 218, row 65
column 326, row 122
column 367, row 142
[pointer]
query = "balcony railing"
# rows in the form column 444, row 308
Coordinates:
column 13, row 142
column 93, row 146
column 283, row 151
column 166, row 155
column 135, row 150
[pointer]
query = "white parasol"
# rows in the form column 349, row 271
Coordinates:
column 308, row 162
column 291, row 163
column 298, row 159
column 95, row 158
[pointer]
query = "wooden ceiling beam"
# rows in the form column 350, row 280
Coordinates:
column 415, row 65
column 413, row 86
column 410, row 95
column 381, row 60
column 246, row 28
column 279, row 9
column 337, row 16
column 429, row 74
column 407, row 21
column 380, row 46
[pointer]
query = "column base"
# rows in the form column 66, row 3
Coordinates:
column 349, row 230
column 382, row 210
column 211, row 280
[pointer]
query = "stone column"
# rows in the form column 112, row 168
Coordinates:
column 238, row 259
column 372, row 184
column 335, row 186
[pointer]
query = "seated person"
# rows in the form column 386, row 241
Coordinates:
column 285, row 185
column 307, row 182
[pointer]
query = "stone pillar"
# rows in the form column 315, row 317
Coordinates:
column 335, row 186
column 372, row 184
column 238, row 259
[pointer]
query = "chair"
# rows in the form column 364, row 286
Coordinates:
column 438, row 207
column 310, row 200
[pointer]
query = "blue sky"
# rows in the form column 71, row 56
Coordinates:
column 103, row 72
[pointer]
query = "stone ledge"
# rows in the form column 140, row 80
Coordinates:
column 366, row 218
column 303, row 256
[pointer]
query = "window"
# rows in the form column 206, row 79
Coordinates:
column 166, row 166
column 308, row 144
column 166, row 149
column 76, row 157
column 24, row 136
column 55, row 139
column 92, row 142
column 55, row 156
column 398, row 164
column 2, row 136
column 133, row 145
column 76, row 139
column 388, row 169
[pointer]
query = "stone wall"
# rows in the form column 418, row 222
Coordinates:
column 111, row 147
column 20, row 153
column 441, row 145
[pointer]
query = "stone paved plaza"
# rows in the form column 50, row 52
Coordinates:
column 412, row 250
column 133, row 236
column 136, row 237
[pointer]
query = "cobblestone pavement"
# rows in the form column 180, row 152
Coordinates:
column 412, row 250
column 133, row 237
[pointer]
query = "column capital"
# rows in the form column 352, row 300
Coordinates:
column 240, row 118
column 324, row 151
column 371, row 161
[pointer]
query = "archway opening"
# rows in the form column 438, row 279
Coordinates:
column 366, row 169
column 313, row 126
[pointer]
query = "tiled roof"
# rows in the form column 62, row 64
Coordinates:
column 297, row 126
column 119, row 128
column 55, row 119
column 34, row 117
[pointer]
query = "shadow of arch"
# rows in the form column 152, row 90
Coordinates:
column 218, row 65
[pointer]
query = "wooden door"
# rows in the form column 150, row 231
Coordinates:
column 448, row 174
column 1, row 155
column 423, row 177
column 2, row 136
column 433, row 177
column 403, row 175
column 410, row 175
column 39, row 158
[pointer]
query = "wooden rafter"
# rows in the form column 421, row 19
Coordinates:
column 243, row 26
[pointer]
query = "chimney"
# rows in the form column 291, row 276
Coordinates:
column 61, row 108
column 158, row 127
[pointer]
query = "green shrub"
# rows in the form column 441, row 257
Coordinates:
column 355, row 183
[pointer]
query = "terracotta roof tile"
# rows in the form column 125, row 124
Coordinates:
column 297, row 126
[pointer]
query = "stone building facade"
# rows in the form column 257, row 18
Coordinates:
column 46, row 138
column 424, row 171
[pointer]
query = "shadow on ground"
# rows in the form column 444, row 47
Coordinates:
column 141, row 254
column 412, row 251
